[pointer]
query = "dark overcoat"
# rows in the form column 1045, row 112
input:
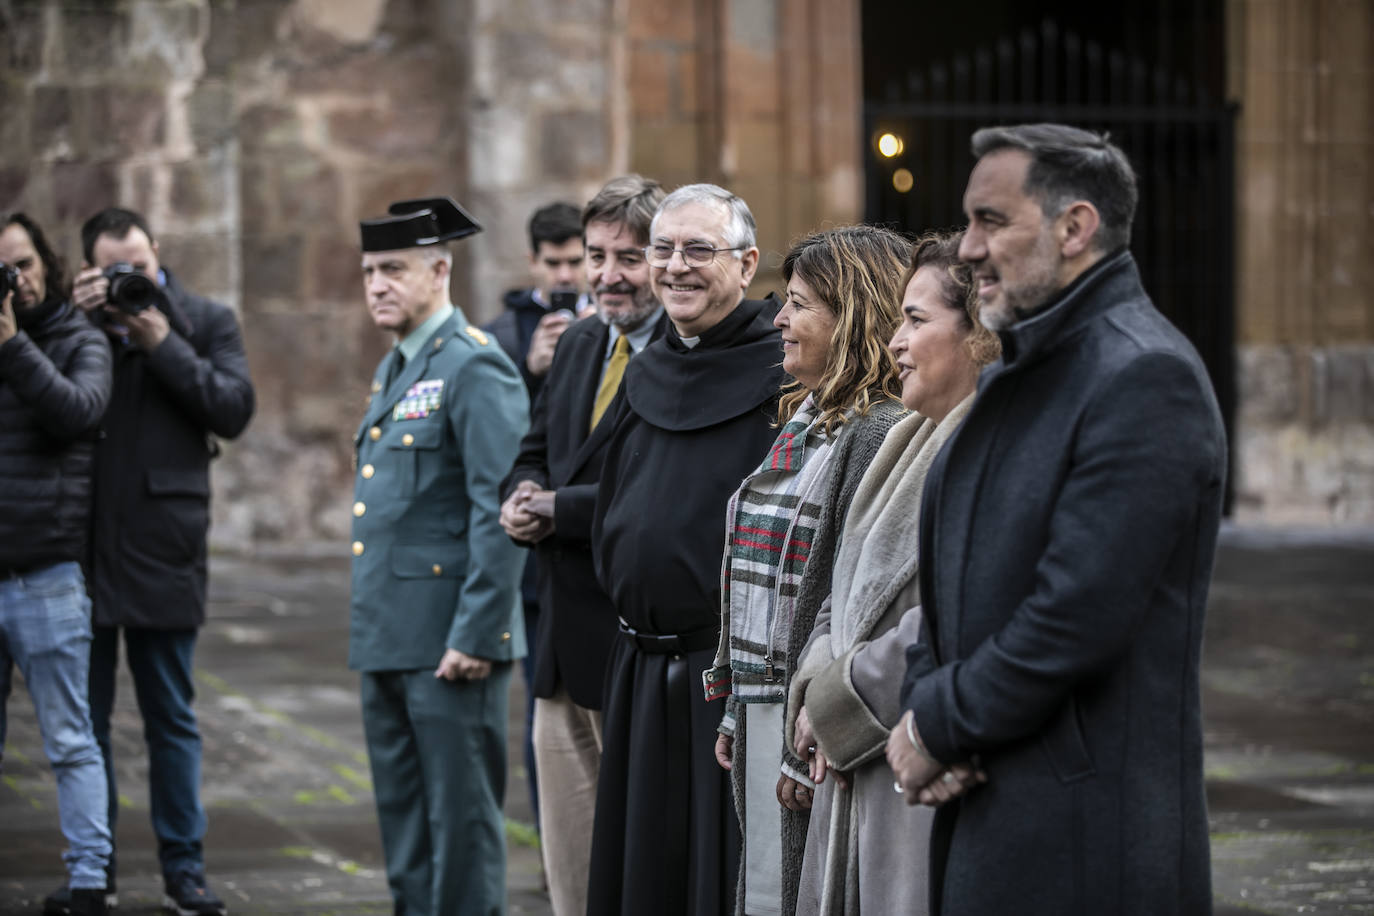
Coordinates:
column 1068, row 529
column 151, row 501
column 514, row 332
column 577, row 623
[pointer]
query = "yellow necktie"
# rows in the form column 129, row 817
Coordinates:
column 610, row 381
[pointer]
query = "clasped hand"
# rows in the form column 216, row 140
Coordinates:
column 922, row 779
column 527, row 514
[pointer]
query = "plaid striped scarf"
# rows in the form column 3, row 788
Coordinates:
column 770, row 523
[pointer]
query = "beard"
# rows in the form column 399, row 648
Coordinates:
column 642, row 305
column 29, row 316
column 1038, row 284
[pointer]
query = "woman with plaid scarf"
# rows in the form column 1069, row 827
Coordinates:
column 843, row 291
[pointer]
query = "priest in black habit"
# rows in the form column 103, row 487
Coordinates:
column 692, row 420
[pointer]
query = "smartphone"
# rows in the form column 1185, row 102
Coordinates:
column 565, row 300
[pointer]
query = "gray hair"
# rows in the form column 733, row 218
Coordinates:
column 1069, row 164
column 631, row 200
column 439, row 252
column 740, row 231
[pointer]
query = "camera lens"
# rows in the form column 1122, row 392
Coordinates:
column 130, row 291
column 9, row 279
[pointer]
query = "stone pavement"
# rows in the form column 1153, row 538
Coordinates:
column 1289, row 693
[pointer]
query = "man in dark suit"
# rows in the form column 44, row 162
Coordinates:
column 549, row 498
column 528, row 331
column 1067, row 533
column 180, row 381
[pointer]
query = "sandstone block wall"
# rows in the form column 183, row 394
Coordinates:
column 761, row 96
column 255, row 133
column 1305, row 312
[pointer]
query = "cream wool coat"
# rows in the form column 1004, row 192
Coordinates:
column 865, row 847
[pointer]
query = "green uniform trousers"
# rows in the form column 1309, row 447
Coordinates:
column 438, row 755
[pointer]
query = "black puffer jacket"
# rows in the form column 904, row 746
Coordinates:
column 54, row 385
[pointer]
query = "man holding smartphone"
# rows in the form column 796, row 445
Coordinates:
column 528, row 330
column 534, row 318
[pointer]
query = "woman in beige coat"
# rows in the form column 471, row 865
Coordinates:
column 865, row 849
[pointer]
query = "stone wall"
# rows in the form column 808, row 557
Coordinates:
column 255, row 133
column 760, row 96
column 1305, row 312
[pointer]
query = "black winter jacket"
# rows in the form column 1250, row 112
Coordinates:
column 152, row 470
column 54, row 385
column 514, row 329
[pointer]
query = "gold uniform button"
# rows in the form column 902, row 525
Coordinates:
column 376, row 387
column 407, row 439
column 357, row 548
column 438, row 570
column 375, row 433
column 359, row 509
column 368, row 471
column 367, row 401
column 505, row 637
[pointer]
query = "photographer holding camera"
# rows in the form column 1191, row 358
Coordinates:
column 180, row 380
column 54, row 385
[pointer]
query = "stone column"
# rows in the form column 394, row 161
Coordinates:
column 1305, row 317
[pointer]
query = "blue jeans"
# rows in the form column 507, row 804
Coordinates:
column 160, row 663
column 45, row 630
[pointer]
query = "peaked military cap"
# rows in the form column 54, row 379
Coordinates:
column 415, row 223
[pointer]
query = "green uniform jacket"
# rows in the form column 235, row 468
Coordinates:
column 432, row 567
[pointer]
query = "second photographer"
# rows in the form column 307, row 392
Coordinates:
column 180, row 381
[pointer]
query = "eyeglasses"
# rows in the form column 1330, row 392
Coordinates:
column 692, row 255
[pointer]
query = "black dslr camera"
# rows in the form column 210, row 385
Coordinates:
column 9, row 280
column 130, row 290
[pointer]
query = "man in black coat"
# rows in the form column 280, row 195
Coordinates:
column 54, row 385
column 549, row 497
column 1068, row 531
column 528, row 330
column 180, row 381
column 696, row 418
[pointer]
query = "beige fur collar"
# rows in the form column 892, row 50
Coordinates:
column 880, row 550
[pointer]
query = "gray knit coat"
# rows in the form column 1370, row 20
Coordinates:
column 858, row 441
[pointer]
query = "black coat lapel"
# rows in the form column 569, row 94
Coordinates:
column 602, row 433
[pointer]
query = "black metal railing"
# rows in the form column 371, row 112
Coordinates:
column 1180, row 141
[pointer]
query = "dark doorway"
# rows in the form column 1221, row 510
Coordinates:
column 1152, row 74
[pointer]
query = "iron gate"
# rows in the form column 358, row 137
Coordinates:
column 1180, row 142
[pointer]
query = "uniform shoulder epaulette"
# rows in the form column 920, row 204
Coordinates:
column 478, row 335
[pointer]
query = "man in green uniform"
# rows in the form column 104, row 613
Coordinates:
column 435, row 620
